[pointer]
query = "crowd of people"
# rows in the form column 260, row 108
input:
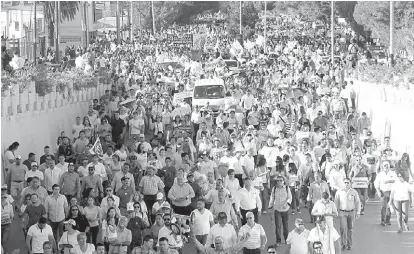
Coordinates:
column 144, row 173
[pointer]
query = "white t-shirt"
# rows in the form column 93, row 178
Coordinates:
column 298, row 242
column 206, row 167
column 327, row 239
column 8, row 156
column 39, row 236
column 134, row 124
column 77, row 129
column 89, row 250
column 202, row 222
column 69, row 239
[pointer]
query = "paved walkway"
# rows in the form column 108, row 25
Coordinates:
column 369, row 236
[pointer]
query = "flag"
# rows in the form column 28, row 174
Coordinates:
column 97, row 147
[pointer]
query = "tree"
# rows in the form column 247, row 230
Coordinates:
column 376, row 17
column 68, row 10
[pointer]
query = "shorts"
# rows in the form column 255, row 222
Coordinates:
column 16, row 188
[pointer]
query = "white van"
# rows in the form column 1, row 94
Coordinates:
column 209, row 90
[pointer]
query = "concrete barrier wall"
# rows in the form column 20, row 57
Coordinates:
column 35, row 121
column 391, row 110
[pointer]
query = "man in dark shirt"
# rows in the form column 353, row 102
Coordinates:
column 118, row 129
column 47, row 153
column 169, row 172
column 29, row 161
column 136, row 225
column 33, row 212
column 125, row 194
column 197, row 190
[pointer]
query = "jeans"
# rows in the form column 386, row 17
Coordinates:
column 281, row 220
column 346, row 224
column 371, row 188
column 202, row 239
column 264, row 196
column 240, row 178
column 5, row 233
column 385, row 210
column 57, row 228
column 149, row 201
column 93, row 234
column 251, row 251
column 402, row 212
column 295, row 198
column 363, row 194
column 312, row 218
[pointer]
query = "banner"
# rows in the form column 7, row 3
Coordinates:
column 97, row 147
column 360, row 182
column 181, row 40
column 181, row 96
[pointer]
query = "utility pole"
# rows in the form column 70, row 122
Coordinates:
column 35, row 34
column 153, row 17
column 85, row 11
column 332, row 32
column 57, row 10
column 240, row 17
column 392, row 31
column 118, row 39
column 265, row 29
column 130, row 22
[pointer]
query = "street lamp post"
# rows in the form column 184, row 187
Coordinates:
column 57, row 10
column 332, row 32
column 392, row 31
column 35, row 34
column 240, row 17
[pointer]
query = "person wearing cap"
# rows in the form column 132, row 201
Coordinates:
column 297, row 240
column 34, row 171
column 117, row 183
column 16, row 177
column 69, row 238
column 323, row 239
column 349, row 204
column 7, row 216
column 160, row 202
column 149, row 186
column 38, row 234
column 92, row 181
column 99, row 168
column 70, row 183
column 136, row 225
column 384, row 184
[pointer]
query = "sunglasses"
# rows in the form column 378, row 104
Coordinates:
column 137, row 207
column 108, row 190
column 271, row 252
column 347, row 182
column 74, row 210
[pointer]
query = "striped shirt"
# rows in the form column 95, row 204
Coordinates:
column 151, row 185
column 55, row 207
column 254, row 241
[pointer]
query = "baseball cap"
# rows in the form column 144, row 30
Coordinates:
column 18, row 157
column 4, row 187
column 222, row 215
column 190, row 174
column 166, row 205
column 141, row 135
column 124, row 178
column 160, row 196
column 299, row 221
column 34, row 164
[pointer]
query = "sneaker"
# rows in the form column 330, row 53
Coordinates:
column 264, row 212
column 349, row 247
column 278, row 244
column 343, row 247
column 293, row 212
column 399, row 231
column 362, row 212
column 382, row 223
column 298, row 211
column 388, row 223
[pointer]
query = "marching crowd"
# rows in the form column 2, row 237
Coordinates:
column 143, row 173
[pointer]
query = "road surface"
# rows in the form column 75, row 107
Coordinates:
column 369, row 236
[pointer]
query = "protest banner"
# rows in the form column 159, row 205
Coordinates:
column 181, row 96
column 360, row 182
column 183, row 40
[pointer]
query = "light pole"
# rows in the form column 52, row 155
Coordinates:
column 57, row 10
column 392, row 31
column 153, row 17
column 265, row 29
column 240, row 17
column 35, row 34
column 332, row 31
column 118, row 39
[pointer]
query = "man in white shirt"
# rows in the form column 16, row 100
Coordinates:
column 297, row 239
column 202, row 220
column 222, row 229
column 52, row 176
column 247, row 162
column 383, row 184
column 323, row 239
column 249, row 201
column 247, row 101
column 109, row 193
column 38, row 234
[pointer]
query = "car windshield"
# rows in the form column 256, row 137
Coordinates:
column 209, row 92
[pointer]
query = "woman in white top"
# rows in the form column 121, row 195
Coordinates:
column 122, row 152
column 83, row 247
column 93, row 214
column 69, row 238
column 400, row 199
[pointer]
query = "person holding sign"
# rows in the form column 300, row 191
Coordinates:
column 360, row 179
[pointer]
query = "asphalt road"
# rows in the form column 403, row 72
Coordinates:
column 369, row 236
